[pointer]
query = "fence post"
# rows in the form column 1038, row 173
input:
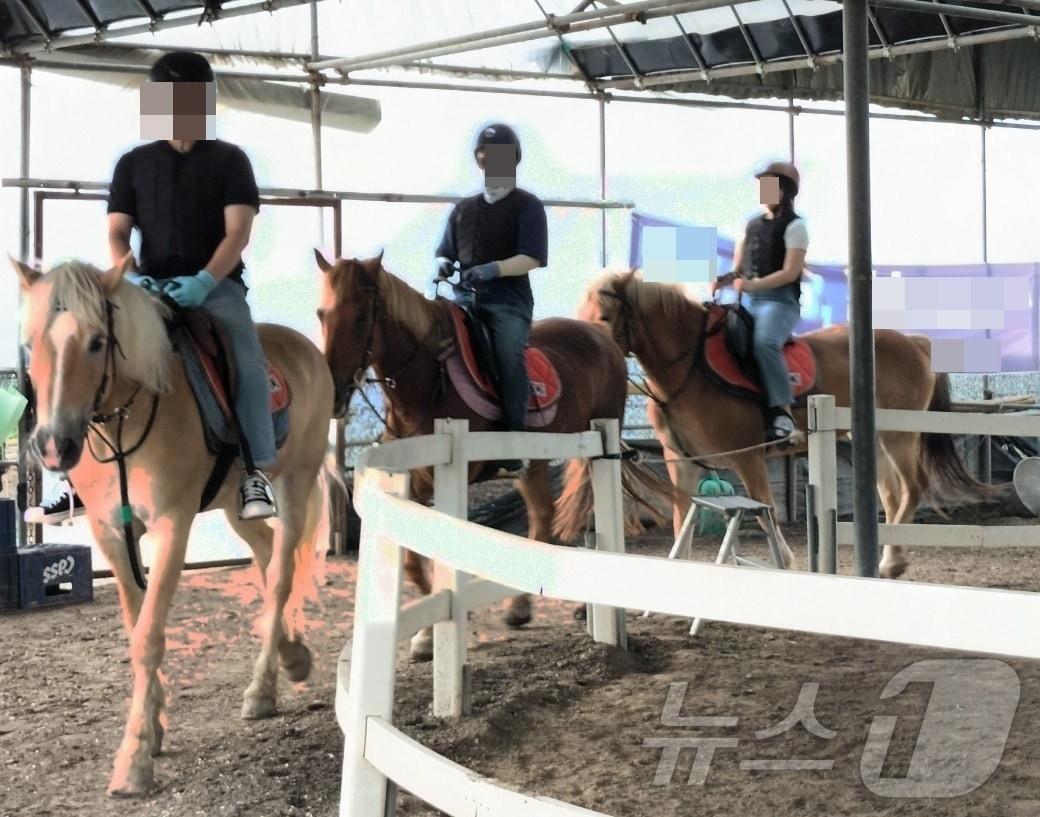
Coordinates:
column 450, row 496
column 372, row 664
column 608, row 623
column 823, row 477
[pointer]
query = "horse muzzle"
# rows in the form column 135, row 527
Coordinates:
column 61, row 449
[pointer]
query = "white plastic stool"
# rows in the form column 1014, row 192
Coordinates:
column 733, row 509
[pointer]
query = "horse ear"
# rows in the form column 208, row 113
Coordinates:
column 622, row 281
column 26, row 274
column 323, row 263
column 373, row 266
column 110, row 279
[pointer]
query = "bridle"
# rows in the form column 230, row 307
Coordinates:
column 625, row 313
column 374, row 304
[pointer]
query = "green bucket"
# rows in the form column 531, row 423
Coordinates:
column 12, row 405
column 711, row 523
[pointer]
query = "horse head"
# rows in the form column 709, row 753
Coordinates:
column 608, row 304
column 73, row 315
column 349, row 315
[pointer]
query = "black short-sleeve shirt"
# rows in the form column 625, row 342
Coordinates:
column 177, row 201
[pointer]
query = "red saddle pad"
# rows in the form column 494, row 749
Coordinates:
column 545, row 380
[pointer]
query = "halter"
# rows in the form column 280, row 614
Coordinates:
column 119, row 454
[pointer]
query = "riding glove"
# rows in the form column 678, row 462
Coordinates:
column 481, row 273
column 190, row 291
column 445, row 268
column 146, row 282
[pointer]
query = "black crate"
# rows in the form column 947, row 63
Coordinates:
column 53, row 575
column 8, row 526
column 8, row 581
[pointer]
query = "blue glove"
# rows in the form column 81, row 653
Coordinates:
column 146, row 282
column 481, row 273
column 189, row 291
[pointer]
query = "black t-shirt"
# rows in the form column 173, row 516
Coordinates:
column 478, row 233
column 177, row 201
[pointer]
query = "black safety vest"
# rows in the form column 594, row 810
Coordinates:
column 765, row 248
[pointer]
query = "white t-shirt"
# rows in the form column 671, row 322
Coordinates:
column 796, row 236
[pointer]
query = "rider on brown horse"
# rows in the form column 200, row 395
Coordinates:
column 498, row 237
column 768, row 265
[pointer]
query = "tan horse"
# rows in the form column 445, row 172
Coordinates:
column 80, row 370
column 664, row 328
column 370, row 317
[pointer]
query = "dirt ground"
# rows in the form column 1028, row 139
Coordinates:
column 553, row 713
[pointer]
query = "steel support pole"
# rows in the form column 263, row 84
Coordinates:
column 861, row 338
column 28, row 485
column 603, row 181
column 316, row 116
column 790, row 124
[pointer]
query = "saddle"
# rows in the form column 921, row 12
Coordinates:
column 209, row 367
column 469, row 362
column 728, row 354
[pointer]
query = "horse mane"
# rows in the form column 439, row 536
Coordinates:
column 669, row 303
column 405, row 304
column 138, row 321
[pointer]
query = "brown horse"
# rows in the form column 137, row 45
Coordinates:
column 371, row 318
column 665, row 329
column 100, row 351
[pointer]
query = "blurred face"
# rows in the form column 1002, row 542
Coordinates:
column 178, row 110
column 499, row 165
column 769, row 191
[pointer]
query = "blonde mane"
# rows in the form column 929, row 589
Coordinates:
column 406, row 305
column 137, row 321
column 669, row 303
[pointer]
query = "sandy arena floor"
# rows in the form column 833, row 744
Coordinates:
column 553, row 713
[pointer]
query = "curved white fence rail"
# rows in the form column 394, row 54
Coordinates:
column 961, row 618
column 825, row 420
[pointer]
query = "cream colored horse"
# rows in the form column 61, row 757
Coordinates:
column 80, row 371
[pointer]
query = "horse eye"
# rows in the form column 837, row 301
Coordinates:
column 97, row 343
column 321, row 315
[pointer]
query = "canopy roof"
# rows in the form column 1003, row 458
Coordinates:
column 971, row 59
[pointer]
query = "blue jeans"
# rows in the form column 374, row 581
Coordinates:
column 510, row 327
column 775, row 320
column 227, row 304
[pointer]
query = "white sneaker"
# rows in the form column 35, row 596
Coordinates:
column 257, row 497
column 783, row 427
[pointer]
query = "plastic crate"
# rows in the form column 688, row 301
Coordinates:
column 8, row 581
column 54, row 575
column 8, row 526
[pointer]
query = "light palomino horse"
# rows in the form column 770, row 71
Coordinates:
column 79, row 370
column 370, row 317
column 664, row 328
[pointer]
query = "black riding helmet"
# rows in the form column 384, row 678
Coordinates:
column 181, row 66
column 497, row 134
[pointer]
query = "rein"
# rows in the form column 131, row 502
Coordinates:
column 119, row 454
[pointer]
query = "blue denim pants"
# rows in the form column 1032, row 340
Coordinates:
column 775, row 320
column 510, row 328
column 227, row 304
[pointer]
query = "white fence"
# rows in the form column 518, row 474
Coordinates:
column 825, row 420
column 961, row 618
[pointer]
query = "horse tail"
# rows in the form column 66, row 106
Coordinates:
column 575, row 505
column 943, row 468
column 311, row 550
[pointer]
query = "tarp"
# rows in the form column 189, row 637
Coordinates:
column 825, row 294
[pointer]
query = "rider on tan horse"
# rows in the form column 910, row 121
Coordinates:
column 498, row 237
column 193, row 199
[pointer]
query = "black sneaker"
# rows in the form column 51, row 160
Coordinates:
column 257, row 497
column 60, row 509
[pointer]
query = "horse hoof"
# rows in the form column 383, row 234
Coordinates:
column 516, row 618
column 138, row 782
column 892, row 571
column 581, row 613
column 296, row 661
column 259, row 707
column 421, row 649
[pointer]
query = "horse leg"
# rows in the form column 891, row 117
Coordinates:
column 421, row 648
column 534, row 488
column 259, row 700
column 259, row 535
column 902, row 449
column 112, row 543
column 755, row 476
column 133, row 770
